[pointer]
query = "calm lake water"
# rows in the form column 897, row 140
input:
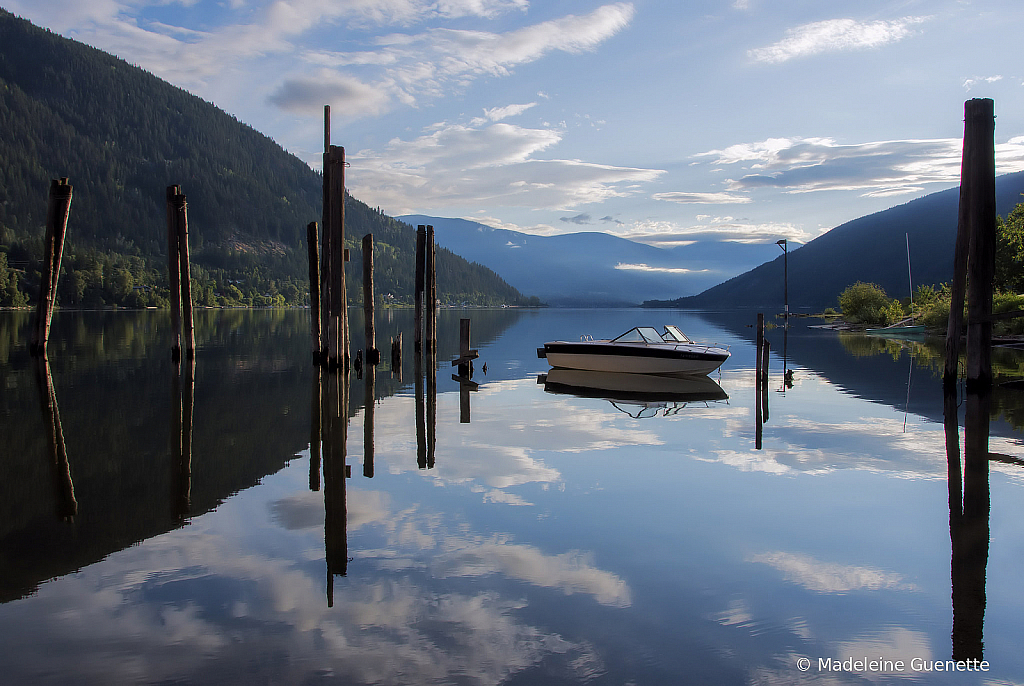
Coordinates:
column 524, row 535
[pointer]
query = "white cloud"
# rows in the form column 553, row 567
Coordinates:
column 345, row 94
column 669, row 234
column 642, row 267
column 835, row 35
column 684, row 198
column 972, row 82
column 409, row 67
column 499, row 113
column 466, row 165
column 826, row 577
column 877, row 168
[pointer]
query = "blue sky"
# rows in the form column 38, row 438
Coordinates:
column 663, row 121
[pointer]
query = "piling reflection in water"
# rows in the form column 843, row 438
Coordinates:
column 63, row 486
column 969, row 509
column 369, row 403
column 335, row 473
column 182, row 402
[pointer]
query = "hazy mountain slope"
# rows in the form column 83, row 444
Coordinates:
column 872, row 248
column 592, row 268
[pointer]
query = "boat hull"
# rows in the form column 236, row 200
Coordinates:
column 635, row 359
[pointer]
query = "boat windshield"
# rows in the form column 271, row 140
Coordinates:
column 674, row 335
column 640, row 334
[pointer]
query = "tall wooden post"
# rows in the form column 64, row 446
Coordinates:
column 313, row 247
column 174, row 272
column 418, row 296
column 981, row 263
column 335, row 208
column 372, row 354
column 57, row 213
column 975, row 249
column 326, row 260
column 181, row 210
column 430, row 290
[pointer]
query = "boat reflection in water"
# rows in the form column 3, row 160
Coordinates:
column 645, row 395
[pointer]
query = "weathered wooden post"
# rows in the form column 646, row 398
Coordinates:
column 418, row 288
column 337, row 349
column 372, row 354
column 430, row 289
column 326, row 259
column 174, row 272
column 57, row 212
column 313, row 248
column 975, row 249
column 181, row 221
column 981, row 263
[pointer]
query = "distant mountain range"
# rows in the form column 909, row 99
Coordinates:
column 872, row 248
column 591, row 269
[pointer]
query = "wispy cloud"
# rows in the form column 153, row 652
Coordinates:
column 643, row 267
column 578, row 219
column 458, row 165
column 684, row 198
column 974, row 81
column 835, row 35
column 409, row 67
column 878, row 168
column 826, row 577
column 667, row 234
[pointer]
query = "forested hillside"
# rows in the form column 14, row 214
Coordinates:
column 121, row 136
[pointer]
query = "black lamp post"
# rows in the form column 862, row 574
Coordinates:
column 785, row 281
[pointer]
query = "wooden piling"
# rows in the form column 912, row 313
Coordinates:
column 418, row 287
column 174, row 272
column 188, row 335
column 313, row 248
column 976, row 214
column 57, row 212
column 430, row 289
column 337, row 352
column 981, row 262
column 370, row 334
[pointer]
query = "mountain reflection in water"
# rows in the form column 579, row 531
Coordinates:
column 208, row 525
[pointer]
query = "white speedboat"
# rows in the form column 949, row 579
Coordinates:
column 641, row 350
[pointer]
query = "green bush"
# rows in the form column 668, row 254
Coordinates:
column 867, row 303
